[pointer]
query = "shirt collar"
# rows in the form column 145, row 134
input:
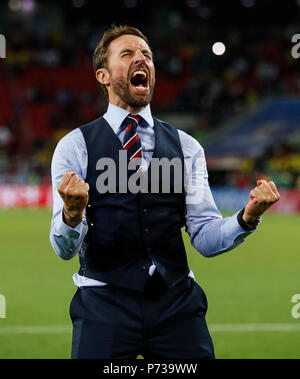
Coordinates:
column 116, row 115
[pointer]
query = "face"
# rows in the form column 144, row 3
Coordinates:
column 129, row 75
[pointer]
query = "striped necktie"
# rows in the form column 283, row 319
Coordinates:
column 132, row 142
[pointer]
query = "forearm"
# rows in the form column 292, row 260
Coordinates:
column 71, row 220
column 67, row 234
column 65, row 240
column 210, row 233
column 216, row 235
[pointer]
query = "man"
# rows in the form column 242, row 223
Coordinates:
column 136, row 294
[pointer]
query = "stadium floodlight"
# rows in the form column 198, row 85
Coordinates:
column 218, row 48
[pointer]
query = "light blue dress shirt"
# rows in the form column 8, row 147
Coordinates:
column 210, row 233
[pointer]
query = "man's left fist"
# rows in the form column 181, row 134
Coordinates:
column 262, row 197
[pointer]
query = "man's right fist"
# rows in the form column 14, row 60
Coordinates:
column 75, row 194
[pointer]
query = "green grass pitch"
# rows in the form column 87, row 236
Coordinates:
column 252, row 284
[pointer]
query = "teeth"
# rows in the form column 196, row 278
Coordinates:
column 139, row 73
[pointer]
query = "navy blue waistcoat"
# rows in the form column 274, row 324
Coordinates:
column 129, row 231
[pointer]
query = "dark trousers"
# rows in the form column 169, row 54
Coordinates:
column 111, row 322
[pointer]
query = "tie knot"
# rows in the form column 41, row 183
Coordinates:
column 133, row 120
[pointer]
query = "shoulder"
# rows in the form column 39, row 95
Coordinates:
column 72, row 140
column 91, row 125
column 70, row 155
column 75, row 138
column 190, row 146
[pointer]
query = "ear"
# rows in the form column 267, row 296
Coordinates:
column 103, row 76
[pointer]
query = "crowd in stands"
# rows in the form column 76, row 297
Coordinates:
column 48, row 88
column 280, row 163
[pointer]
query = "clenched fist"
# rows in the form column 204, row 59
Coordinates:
column 75, row 194
column 262, row 197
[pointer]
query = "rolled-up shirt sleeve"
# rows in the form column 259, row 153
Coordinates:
column 210, row 233
column 70, row 155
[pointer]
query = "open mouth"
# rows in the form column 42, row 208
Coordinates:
column 139, row 80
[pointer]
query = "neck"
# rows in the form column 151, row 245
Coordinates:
column 127, row 107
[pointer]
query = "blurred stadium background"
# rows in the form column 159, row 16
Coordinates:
column 242, row 104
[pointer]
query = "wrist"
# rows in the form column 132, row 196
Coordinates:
column 247, row 222
column 72, row 219
column 249, row 219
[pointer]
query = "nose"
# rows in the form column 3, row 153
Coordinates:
column 139, row 57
